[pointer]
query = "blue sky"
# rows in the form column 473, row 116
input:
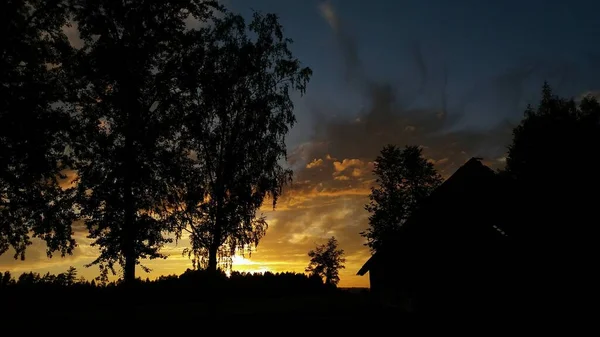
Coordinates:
column 483, row 48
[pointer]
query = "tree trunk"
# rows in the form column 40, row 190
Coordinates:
column 130, row 230
column 212, row 258
column 129, row 223
column 130, row 262
column 129, row 244
column 213, row 250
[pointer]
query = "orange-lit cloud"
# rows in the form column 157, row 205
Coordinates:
column 314, row 163
column 346, row 163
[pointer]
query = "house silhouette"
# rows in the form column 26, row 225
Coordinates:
column 452, row 253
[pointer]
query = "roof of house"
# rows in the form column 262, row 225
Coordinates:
column 472, row 182
column 365, row 268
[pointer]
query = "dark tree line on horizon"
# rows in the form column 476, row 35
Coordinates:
column 167, row 128
column 198, row 286
column 190, row 277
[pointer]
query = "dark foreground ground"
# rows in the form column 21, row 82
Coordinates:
column 293, row 314
column 341, row 307
column 195, row 298
column 341, row 313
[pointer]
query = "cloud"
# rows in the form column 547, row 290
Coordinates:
column 338, row 213
column 390, row 116
column 314, row 163
column 345, row 41
column 329, row 14
column 37, row 260
column 591, row 93
column 346, row 163
column 441, row 161
column 72, row 32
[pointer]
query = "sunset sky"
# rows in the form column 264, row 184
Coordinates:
column 451, row 76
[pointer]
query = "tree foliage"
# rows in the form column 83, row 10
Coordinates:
column 550, row 159
column 33, row 127
column 552, row 165
column 242, row 76
column 556, row 123
column 404, row 179
column 129, row 110
column 326, row 261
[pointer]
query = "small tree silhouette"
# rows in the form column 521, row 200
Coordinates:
column 326, row 261
column 404, row 179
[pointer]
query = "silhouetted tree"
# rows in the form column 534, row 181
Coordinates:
column 67, row 278
column 33, row 127
column 326, row 261
column 241, row 113
column 570, row 132
column 129, row 108
column 404, row 179
column 551, row 163
column 7, row 280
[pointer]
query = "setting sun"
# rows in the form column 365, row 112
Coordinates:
column 243, row 264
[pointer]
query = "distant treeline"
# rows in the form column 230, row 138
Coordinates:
column 192, row 285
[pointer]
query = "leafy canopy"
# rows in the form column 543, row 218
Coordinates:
column 240, row 112
column 404, row 179
column 326, row 260
column 34, row 127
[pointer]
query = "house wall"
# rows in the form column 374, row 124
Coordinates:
column 377, row 280
column 386, row 283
